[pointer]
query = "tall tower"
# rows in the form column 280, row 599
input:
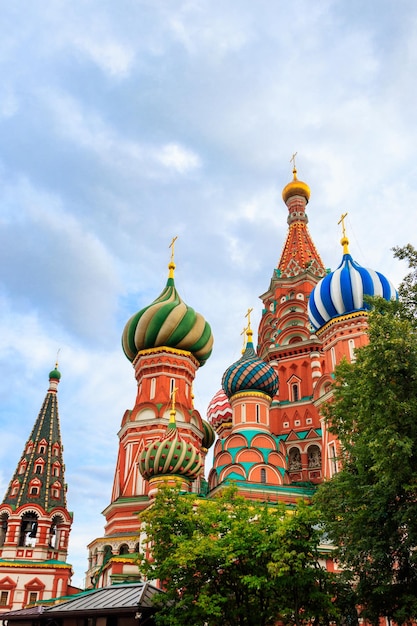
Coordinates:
column 166, row 342
column 338, row 315
column 288, row 456
column 35, row 522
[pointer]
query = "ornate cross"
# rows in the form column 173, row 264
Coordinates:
column 342, row 221
column 171, row 245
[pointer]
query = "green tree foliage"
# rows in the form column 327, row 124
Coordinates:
column 370, row 506
column 408, row 289
column 231, row 562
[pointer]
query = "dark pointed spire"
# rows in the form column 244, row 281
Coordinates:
column 39, row 475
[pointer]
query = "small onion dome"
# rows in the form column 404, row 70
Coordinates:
column 341, row 292
column 296, row 188
column 219, row 411
column 170, row 455
column 209, row 435
column 250, row 373
column 55, row 374
column 169, row 322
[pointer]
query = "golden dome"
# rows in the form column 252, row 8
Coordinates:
column 295, row 188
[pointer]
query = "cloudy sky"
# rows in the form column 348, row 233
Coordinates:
column 123, row 124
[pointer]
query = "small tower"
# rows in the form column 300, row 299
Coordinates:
column 166, row 342
column 35, row 522
column 338, row 314
column 246, row 452
column 286, row 342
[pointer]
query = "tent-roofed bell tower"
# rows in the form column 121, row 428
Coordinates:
column 284, row 335
column 34, row 520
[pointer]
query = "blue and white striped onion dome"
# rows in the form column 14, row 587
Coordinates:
column 341, row 292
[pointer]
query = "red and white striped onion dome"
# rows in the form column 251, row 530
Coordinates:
column 219, row 411
column 170, row 455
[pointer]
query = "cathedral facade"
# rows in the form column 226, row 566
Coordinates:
column 264, row 422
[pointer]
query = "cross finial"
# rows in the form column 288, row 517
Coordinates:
column 171, row 245
column 344, row 241
column 171, row 265
column 293, row 160
column 342, row 221
column 243, row 333
column 249, row 332
column 248, row 316
column 173, row 410
column 57, row 355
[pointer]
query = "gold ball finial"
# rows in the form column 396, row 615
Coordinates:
column 295, row 187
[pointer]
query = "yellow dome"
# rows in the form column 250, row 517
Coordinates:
column 296, row 188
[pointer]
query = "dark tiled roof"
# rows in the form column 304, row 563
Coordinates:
column 33, row 610
column 120, row 599
column 114, row 598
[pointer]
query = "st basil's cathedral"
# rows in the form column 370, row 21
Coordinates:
column 264, row 422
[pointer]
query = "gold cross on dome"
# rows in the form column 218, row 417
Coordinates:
column 342, row 221
column 171, row 245
column 293, row 160
column 248, row 316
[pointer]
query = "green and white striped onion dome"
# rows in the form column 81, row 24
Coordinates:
column 170, row 456
column 169, row 322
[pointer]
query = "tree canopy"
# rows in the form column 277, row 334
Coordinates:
column 370, row 506
column 229, row 561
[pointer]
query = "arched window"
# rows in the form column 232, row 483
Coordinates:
column 28, row 529
column 4, row 524
column 54, row 531
column 153, row 388
column 314, row 456
column 333, row 357
column 124, row 549
column 351, row 344
column 295, row 392
column 294, row 459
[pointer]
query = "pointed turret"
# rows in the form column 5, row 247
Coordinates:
column 34, row 520
column 39, row 475
column 299, row 252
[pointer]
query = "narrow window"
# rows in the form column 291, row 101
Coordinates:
column 263, row 475
column 258, row 413
column 295, row 393
column 4, row 598
column 38, row 469
column 352, row 349
column 153, row 387
column 333, row 357
column 42, row 450
column 243, row 413
column 33, row 596
column 332, row 459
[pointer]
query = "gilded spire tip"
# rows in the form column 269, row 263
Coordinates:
column 344, row 240
column 294, row 167
column 173, row 410
column 171, row 265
